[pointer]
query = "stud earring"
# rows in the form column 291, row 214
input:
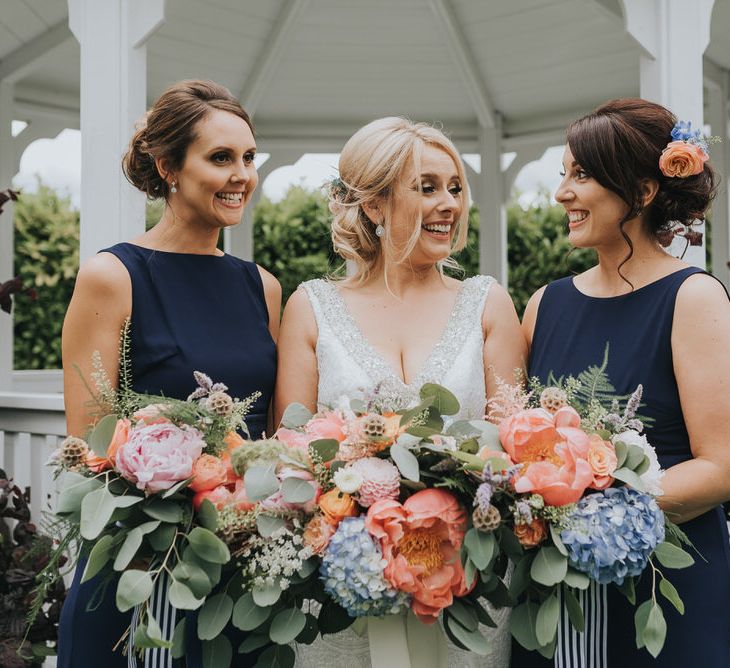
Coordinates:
column 380, row 230
column 173, row 186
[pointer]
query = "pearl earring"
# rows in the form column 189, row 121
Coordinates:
column 173, row 187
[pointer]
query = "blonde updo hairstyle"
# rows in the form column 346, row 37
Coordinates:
column 371, row 165
column 168, row 129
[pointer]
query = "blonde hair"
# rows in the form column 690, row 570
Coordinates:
column 372, row 162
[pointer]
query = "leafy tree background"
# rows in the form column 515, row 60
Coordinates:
column 291, row 239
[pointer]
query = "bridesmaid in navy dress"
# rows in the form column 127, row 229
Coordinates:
column 191, row 306
column 668, row 327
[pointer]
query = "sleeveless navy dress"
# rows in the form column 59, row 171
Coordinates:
column 570, row 335
column 189, row 313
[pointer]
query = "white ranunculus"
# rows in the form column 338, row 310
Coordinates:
column 652, row 477
column 348, row 480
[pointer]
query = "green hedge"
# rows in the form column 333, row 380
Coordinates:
column 291, row 239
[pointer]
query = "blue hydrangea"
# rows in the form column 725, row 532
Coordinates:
column 352, row 572
column 610, row 535
column 682, row 131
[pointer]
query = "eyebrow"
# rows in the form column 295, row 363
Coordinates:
column 228, row 148
column 433, row 176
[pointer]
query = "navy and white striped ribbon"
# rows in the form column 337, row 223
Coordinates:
column 164, row 612
column 589, row 648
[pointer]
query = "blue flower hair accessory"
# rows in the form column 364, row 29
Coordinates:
column 682, row 131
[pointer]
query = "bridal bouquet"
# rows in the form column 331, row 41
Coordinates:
column 135, row 495
column 365, row 512
column 577, row 485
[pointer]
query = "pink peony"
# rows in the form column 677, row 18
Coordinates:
column 159, row 455
column 328, row 424
column 380, row 480
column 294, row 439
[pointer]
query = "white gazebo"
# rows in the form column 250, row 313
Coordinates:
column 501, row 77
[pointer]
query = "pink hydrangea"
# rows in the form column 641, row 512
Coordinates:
column 157, row 456
column 380, row 480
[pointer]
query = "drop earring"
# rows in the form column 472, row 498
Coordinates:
column 173, row 186
column 379, row 230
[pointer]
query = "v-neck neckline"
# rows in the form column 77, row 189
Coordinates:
column 367, row 348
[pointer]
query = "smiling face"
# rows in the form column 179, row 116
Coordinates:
column 218, row 175
column 594, row 212
column 435, row 197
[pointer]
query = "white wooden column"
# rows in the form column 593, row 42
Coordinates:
column 674, row 35
column 718, row 87
column 8, row 167
column 239, row 240
column 112, row 35
column 490, row 198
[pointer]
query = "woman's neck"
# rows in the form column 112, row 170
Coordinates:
column 401, row 278
column 176, row 235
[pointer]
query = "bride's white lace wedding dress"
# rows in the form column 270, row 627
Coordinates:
column 349, row 365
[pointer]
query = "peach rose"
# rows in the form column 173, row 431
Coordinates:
column 239, row 498
column 328, row 424
column 232, row 441
column 208, row 472
column 119, row 438
column 603, row 461
column 681, row 159
column 219, row 497
column 95, row 463
column 317, row 534
column 532, row 534
column 421, row 543
column 336, row 505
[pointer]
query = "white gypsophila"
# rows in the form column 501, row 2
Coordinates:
column 274, row 560
column 348, row 480
column 652, row 477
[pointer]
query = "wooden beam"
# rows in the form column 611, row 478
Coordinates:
column 476, row 89
column 265, row 66
column 25, row 58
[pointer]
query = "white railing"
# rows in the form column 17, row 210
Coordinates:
column 31, row 426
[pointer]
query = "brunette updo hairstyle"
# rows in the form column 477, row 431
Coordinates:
column 619, row 145
column 168, row 129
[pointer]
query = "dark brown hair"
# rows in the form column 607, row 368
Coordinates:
column 619, row 145
column 168, row 129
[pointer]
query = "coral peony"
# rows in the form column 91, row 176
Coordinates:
column 328, row 424
column 603, row 461
column 336, row 505
column 380, row 480
column 294, row 439
column 159, row 455
column 208, row 472
column 421, row 540
column 681, row 159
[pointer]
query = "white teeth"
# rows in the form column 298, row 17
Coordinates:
column 230, row 197
column 577, row 216
column 437, row 228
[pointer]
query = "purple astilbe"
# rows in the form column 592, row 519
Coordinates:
column 205, row 386
column 483, row 497
column 522, row 513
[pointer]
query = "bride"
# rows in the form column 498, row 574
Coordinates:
column 400, row 209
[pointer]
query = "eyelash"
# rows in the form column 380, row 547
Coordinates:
column 580, row 174
column 429, row 190
column 248, row 158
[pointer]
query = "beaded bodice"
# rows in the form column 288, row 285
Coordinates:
column 349, row 366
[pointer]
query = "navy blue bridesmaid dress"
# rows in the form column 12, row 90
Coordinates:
column 189, row 313
column 570, row 335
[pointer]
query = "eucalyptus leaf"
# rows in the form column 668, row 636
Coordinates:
column 217, row 653
column 655, row 632
column 672, row 556
column 97, row 508
column 134, row 587
column 213, row 571
column 480, row 547
column 208, row 546
column 546, row 622
column 488, row 435
column 74, row 487
column 214, row 616
column 207, row 515
column 557, row 540
column 671, row 594
column 575, row 612
column 295, row 416
column 193, row 577
column 101, row 435
column 287, row 625
column 247, row 615
column 178, row 486
column 622, row 451
column 98, row 557
column 182, row 597
column 406, row 462
column 161, row 538
column 178, row 640
column 296, row 490
column 474, row 641
column 521, row 575
column 326, row 448
column 522, row 625
column 408, row 441
column 307, row 568
column 406, row 416
column 470, row 572
column 261, row 481
column 164, row 510
column 576, row 579
column 634, row 457
column 549, row 567
column 126, row 500
column 266, row 596
column 629, row 477
column 129, row 548
column 253, row 642
column 267, row 524
column 462, row 429
column 464, row 614
column 641, row 617
column 445, row 402
column 276, row 656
